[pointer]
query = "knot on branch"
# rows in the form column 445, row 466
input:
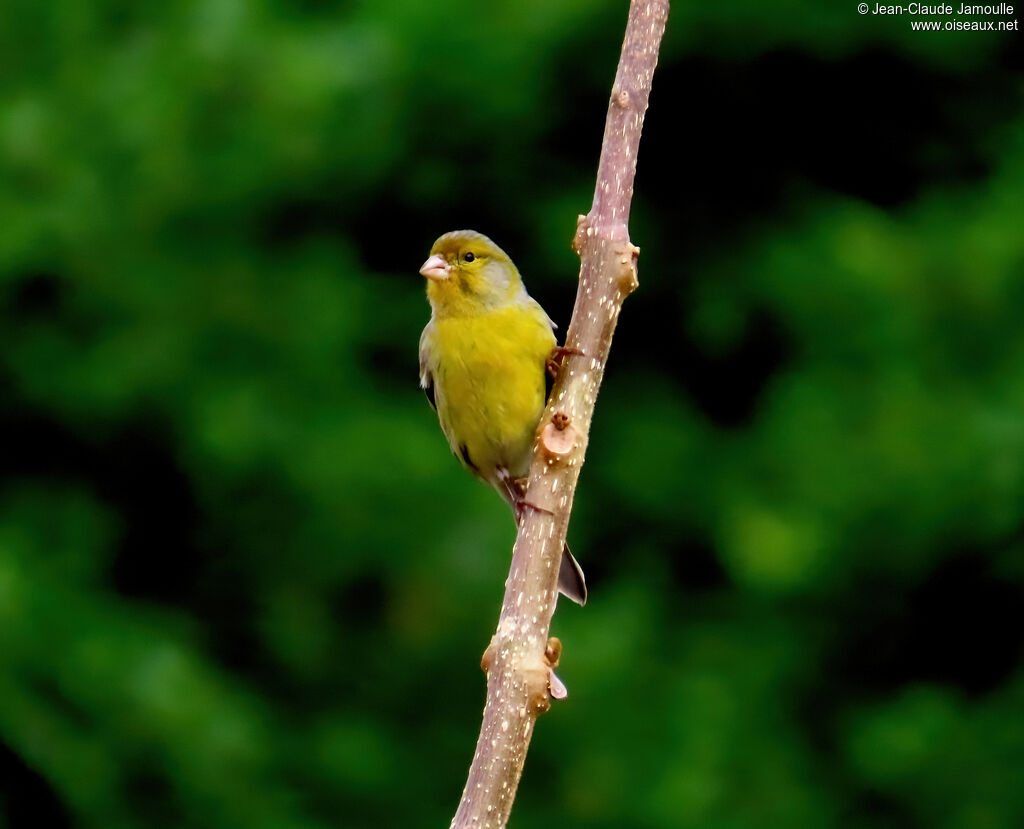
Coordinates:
column 583, row 229
column 552, row 654
column 627, row 254
column 538, row 682
column 553, row 651
column 558, row 437
column 488, row 658
column 542, row 682
column 620, row 97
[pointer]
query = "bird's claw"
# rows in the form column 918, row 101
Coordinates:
column 522, row 504
column 557, row 357
column 516, row 488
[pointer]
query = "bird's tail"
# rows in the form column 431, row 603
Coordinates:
column 571, row 582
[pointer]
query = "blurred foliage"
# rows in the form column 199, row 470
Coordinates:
column 242, row 583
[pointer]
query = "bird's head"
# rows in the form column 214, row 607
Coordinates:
column 467, row 274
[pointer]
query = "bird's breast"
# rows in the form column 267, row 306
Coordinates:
column 490, row 386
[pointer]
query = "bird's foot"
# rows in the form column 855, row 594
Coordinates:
column 522, row 505
column 557, row 357
column 519, row 486
column 509, row 483
column 516, row 488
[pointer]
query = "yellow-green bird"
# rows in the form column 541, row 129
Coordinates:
column 483, row 364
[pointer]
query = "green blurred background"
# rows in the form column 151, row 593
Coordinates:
column 243, row 582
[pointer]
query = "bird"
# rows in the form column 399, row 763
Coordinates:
column 484, row 357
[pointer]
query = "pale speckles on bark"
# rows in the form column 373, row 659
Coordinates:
column 519, row 667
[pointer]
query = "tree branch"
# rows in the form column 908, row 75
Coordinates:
column 520, row 658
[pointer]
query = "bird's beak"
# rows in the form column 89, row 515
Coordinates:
column 436, row 268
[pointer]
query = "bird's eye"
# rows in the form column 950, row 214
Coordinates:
column 469, row 256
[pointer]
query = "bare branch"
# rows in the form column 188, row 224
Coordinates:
column 520, row 658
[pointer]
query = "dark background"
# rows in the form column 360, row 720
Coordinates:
column 242, row 581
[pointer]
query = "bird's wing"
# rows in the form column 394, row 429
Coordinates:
column 426, row 375
column 542, row 314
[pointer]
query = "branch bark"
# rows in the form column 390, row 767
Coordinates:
column 520, row 657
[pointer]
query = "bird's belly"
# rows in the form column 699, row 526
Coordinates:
column 490, row 397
